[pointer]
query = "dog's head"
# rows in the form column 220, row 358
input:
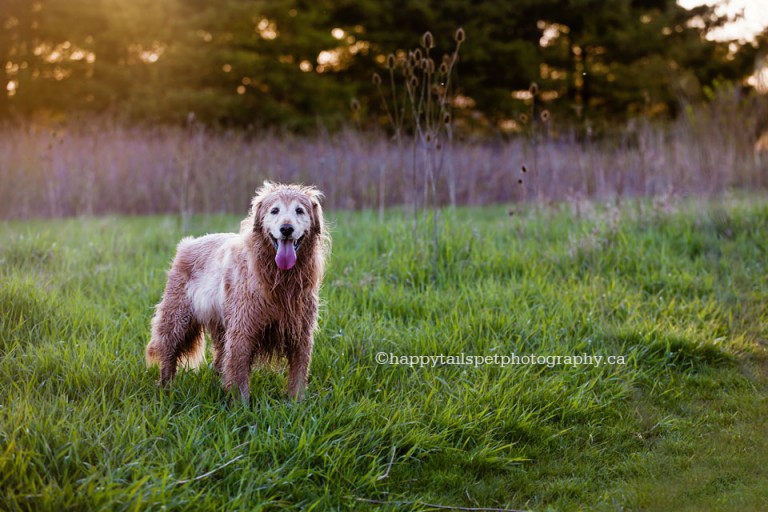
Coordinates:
column 287, row 217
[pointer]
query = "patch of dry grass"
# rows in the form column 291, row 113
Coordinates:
column 97, row 168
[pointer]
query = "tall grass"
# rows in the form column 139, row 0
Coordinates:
column 682, row 295
column 98, row 167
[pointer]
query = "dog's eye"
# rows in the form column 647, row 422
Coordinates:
column 299, row 211
column 274, row 211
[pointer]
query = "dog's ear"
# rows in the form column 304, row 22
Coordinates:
column 315, row 196
column 261, row 193
column 257, row 213
column 317, row 211
column 257, row 203
column 257, row 224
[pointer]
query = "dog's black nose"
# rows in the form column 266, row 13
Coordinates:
column 286, row 229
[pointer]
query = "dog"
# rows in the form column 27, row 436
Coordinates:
column 255, row 292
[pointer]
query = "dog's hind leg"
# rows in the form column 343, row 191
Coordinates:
column 176, row 333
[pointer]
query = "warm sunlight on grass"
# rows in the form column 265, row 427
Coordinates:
column 680, row 426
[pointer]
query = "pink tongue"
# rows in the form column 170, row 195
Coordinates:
column 286, row 255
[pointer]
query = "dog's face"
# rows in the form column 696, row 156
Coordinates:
column 286, row 215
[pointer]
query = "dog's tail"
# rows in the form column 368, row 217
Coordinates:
column 190, row 360
column 151, row 354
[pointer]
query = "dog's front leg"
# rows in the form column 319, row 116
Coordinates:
column 217, row 332
column 237, row 366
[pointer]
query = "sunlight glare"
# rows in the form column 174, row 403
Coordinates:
column 267, row 29
column 754, row 21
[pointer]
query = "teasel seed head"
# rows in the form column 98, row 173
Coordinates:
column 447, row 118
column 391, row 62
column 376, row 79
column 459, row 35
column 523, row 118
column 426, row 40
column 443, row 68
column 354, row 105
column 413, row 82
column 534, row 88
column 544, row 115
column 417, row 55
column 411, row 59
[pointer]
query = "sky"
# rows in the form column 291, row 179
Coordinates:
column 754, row 21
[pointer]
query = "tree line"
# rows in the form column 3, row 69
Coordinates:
column 298, row 65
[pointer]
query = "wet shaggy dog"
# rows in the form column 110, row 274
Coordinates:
column 255, row 292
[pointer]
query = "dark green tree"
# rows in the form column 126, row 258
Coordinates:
column 295, row 63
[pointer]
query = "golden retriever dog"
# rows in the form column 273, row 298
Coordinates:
column 255, row 292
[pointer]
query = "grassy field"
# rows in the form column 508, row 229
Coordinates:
column 680, row 291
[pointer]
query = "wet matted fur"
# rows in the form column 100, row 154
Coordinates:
column 255, row 292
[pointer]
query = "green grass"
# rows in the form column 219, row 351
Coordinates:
column 682, row 295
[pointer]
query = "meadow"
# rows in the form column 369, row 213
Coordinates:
column 676, row 287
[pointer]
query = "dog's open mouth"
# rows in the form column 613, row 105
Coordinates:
column 286, row 251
